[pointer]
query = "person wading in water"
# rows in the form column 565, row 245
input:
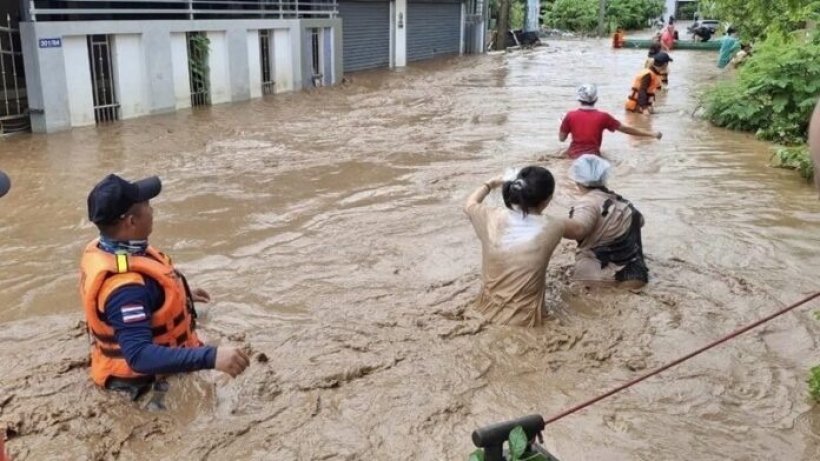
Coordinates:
column 138, row 307
column 645, row 85
column 607, row 228
column 587, row 125
column 516, row 246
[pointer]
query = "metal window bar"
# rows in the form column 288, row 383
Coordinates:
column 316, row 63
column 106, row 106
column 14, row 115
column 198, row 72
column 64, row 10
column 265, row 57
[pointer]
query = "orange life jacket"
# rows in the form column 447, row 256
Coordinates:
column 654, row 84
column 101, row 274
column 618, row 40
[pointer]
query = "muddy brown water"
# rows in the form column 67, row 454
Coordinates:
column 327, row 227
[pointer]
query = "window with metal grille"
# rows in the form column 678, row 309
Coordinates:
column 13, row 101
column 106, row 106
column 267, row 65
column 198, row 70
column 316, row 62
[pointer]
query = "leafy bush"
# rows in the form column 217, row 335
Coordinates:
column 633, row 14
column 760, row 18
column 518, row 445
column 795, row 158
column 574, row 15
column 814, row 384
column 774, row 93
column 582, row 15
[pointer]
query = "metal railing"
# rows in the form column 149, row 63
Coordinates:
column 14, row 115
column 106, row 106
column 198, row 71
column 84, row 10
column 265, row 62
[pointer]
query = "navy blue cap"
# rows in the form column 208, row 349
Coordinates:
column 112, row 197
column 5, row 184
column 662, row 58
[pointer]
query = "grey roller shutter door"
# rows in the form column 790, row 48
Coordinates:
column 433, row 29
column 365, row 34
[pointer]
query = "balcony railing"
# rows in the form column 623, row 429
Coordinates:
column 89, row 10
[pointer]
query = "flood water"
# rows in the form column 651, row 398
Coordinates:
column 327, row 226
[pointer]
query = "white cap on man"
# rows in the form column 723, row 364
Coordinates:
column 587, row 93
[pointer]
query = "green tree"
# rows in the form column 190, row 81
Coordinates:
column 756, row 19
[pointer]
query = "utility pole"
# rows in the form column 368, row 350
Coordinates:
column 601, row 18
column 503, row 24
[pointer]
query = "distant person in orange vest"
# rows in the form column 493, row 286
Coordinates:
column 138, row 306
column 645, row 85
column 618, row 39
column 814, row 143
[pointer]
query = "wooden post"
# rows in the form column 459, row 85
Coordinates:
column 601, row 17
column 503, row 24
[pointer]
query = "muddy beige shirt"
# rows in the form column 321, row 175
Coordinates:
column 515, row 253
column 599, row 231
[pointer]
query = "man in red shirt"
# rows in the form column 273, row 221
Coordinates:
column 587, row 124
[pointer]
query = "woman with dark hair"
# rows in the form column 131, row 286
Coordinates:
column 607, row 228
column 516, row 246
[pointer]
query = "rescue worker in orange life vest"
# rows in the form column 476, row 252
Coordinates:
column 642, row 96
column 139, row 309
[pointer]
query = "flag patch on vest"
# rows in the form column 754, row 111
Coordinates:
column 133, row 313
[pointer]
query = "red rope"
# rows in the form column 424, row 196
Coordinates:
column 680, row 360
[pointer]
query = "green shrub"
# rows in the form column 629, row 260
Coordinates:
column 814, row 383
column 774, row 93
column 582, row 15
column 574, row 15
column 633, row 14
column 517, row 443
column 795, row 158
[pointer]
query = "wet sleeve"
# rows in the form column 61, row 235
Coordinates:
column 586, row 216
column 643, row 95
column 477, row 213
column 128, row 311
column 565, row 124
column 612, row 123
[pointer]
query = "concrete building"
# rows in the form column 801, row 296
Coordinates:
column 95, row 61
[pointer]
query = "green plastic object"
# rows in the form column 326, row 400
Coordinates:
column 712, row 45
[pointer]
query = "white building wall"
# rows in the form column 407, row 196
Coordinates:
column 219, row 72
column 150, row 60
column 78, row 80
column 283, row 60
column 254, row 64
column 400, row 40
column 179, row 70
column 129, row 75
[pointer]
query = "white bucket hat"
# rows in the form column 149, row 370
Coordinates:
column 590, row 170
column 587, row 93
